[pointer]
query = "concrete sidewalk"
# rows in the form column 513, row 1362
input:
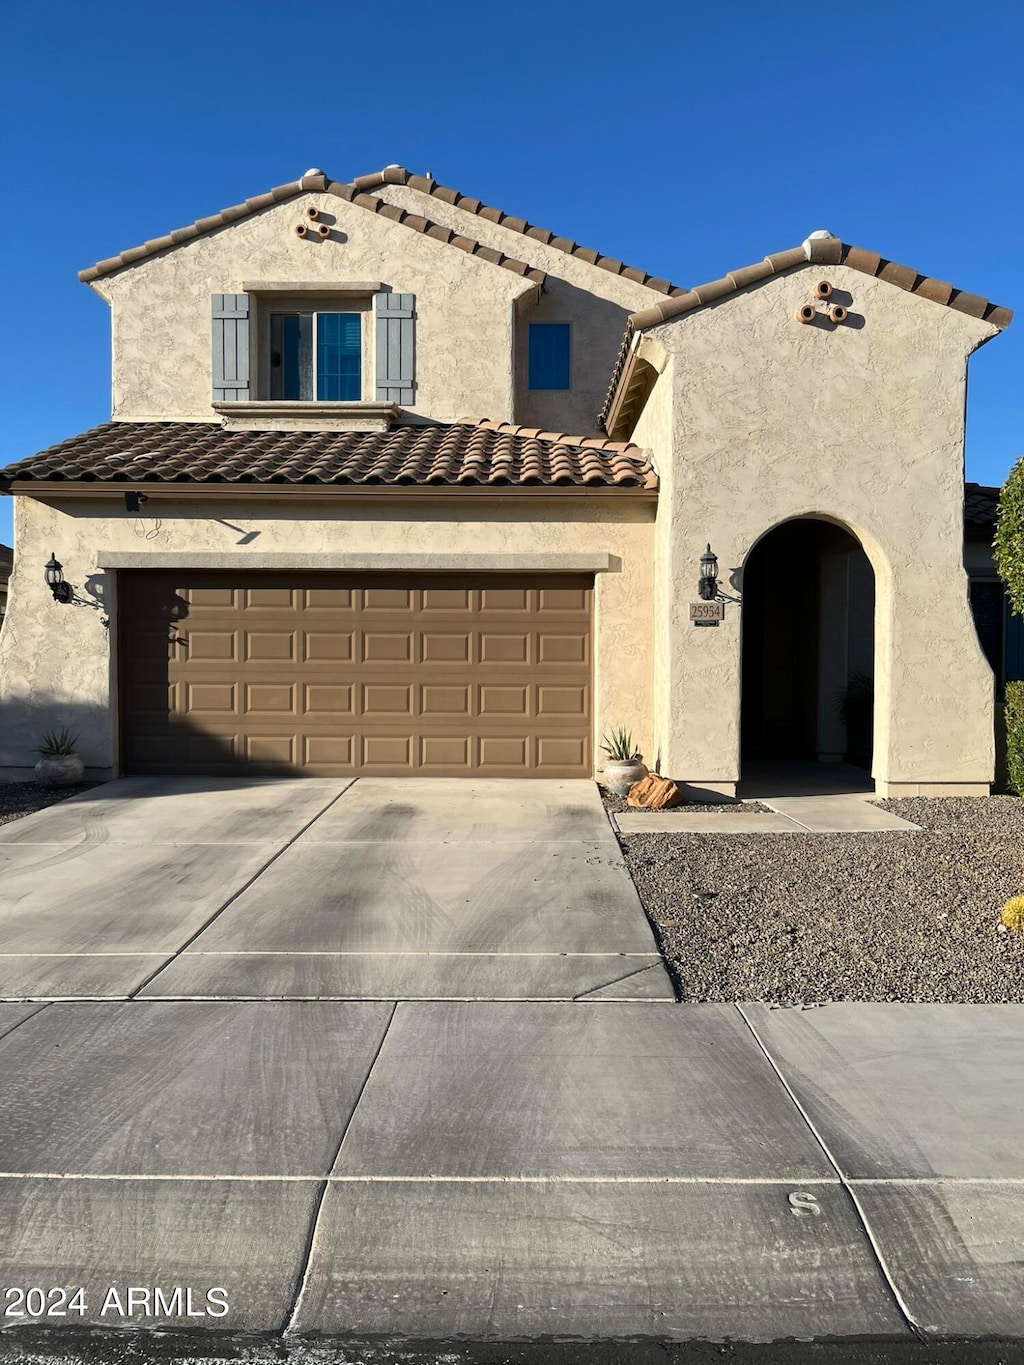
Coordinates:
column 497, row 1171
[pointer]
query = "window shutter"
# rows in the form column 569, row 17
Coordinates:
column 396, row 352
column 230, row 347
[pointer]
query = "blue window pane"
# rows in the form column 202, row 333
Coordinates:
column 338, row 357
column 548, row 366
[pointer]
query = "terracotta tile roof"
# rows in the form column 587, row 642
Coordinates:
column 824, row 250
column 981, row 503
column 398, row 175
column 467, row 454
column 315, row 181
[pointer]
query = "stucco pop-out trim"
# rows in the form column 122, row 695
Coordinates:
column 381, row 562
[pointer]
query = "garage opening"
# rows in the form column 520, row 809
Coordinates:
column 389, row 675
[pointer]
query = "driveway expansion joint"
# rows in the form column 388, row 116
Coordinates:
column 235, row 895
column 903, row 1307
column 307, row 1257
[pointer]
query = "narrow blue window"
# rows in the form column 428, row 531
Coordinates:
column 548, row 362
column 338, row 357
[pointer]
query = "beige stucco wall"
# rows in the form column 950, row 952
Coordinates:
column 56, row 662
column 863, row 424
column 593, row 301
column 160, row 309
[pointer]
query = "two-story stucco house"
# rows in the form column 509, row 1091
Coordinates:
column 398, row 484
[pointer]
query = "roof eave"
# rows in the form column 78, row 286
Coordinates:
column 310, row 492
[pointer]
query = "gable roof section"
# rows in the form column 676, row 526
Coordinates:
column 398, row 175
column 312, row 181
column 823, row 250
column 494, row 455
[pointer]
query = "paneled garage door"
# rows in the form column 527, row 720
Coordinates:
column 331, row 674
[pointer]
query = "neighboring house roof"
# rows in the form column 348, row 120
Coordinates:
column 357, row 193
column 6, row 562
column 824, row 250
column 398, row 175
column 312, row 180
column 981, row 504
column 491, row 454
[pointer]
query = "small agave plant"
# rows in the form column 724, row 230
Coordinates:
column 59, row 764
column 618, row 745
column 58, row 743
column 625, row 765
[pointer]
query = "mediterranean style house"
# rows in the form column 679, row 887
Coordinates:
column 396, row 483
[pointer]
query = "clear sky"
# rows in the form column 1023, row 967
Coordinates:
column 685, row 139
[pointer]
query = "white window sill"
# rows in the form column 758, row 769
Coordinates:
column 275, row 415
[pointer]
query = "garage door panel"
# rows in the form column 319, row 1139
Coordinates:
column 442, row 649
column 562, row 648
column 513, row 648
column 328, row 647
column 391, row 648
column 441, row 753
column 327, row 700
column 338, row 674
column 438, row 699
column 218, row 645
column 217, row 699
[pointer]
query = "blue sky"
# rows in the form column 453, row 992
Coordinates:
column 688, row 140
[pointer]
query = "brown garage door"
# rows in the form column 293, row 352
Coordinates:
column 328, row 674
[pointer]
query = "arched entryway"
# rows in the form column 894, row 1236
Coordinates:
column 808, row 662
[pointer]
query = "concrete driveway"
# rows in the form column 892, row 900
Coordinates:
column 323, row 889
column 588, row 1166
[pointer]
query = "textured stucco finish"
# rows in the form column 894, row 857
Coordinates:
column 160, row 309
column 593, row 301
column 862, row 424
column 58, row 664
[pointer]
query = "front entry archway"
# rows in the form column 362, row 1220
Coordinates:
column 808, row 662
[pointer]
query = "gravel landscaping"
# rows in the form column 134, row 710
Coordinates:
column 22, row 798
column 796, row 919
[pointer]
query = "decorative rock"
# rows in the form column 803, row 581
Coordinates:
column 654, row 793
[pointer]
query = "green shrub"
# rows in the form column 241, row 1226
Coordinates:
column 1008, row 545
column 1015, row 736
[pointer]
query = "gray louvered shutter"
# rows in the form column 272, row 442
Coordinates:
column 395, row 323
column 230, row 347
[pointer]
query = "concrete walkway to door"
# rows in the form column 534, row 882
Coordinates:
column 193, row 888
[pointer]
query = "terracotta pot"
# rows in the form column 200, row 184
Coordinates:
column 63, row 770
column 620, row 774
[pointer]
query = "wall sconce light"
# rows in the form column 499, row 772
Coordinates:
column 62, row 592
column 707, row 584
column 133, row 501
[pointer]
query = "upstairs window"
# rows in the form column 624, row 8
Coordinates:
column 316, row 356
column 548, row 358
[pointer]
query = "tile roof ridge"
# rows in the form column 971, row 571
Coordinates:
column 426, row 184
column 311, row 181
column 552, row 437
column 826, row 250
column 278, row 195
column 819, row 248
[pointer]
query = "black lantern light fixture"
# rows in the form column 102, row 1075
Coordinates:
column 707, row 584
column 62, row 592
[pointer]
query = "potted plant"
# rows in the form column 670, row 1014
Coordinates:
column 624, row 766
column 59, row 764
